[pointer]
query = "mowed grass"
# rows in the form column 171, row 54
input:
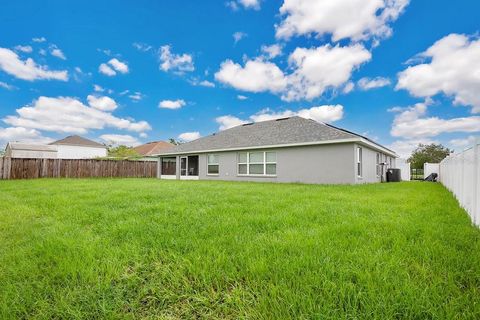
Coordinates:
column 133, row 248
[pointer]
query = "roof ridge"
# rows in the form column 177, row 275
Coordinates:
column 77, row 140
column 358, row 135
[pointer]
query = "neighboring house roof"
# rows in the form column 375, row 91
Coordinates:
column 282, row 132
column 78, row 141
column 31, row 147
column 153, row 147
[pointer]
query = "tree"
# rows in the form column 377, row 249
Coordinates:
column 123, row 152
column 432, row 153
column 174, row 141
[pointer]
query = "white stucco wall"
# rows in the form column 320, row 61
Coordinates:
column 80, row 152
column 322, row 164
column 369, row 164
column 30, row 151
column 325, row 164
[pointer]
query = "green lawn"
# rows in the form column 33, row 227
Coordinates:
column 132, row 248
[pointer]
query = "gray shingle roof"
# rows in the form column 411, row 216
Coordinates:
column 78, row 141
column 153, row 147
column 292, row 130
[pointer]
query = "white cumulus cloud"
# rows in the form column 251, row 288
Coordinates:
column 136, row 96
column 172, row 104
column 206, row 83
column 106, row 70
column 272, row 51
column 112, row 67
column 118, row 65
column 142, row 46
column 98, row 88
column 203, row 83
column 247, row 4
column 189, row 136
column 178, row 63
column 342, row 19
column 26, row 49
column 404, row 148
column 102, row 103
column 325, row 113
column 120, row 139
column 348, row 87
column 463, row 143
column 28, row 69
column 69, row 115
column 227, row 122
column 322, row 68
column 39, row 39
column 453, row 69
column 412, row 122
column 20, row 134
column 313, row 72
column 237, row 36
column 6, row 86
column 372, row 83
column 256, row 76
column 56, row 52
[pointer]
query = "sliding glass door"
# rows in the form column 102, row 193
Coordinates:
column 189, row 167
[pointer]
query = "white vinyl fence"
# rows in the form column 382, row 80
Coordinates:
column 404, row 167
column 429, row 168
column 460, row 173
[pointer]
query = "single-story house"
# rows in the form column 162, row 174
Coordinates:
column 152, row 148
column 283, row 150
column 72, row 147
column 76, row 147
column 30, row 150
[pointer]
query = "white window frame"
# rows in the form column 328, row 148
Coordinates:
column 378, row 167
column 359, row 162
column 186, row 166
column 213, row 164
column 264, row 163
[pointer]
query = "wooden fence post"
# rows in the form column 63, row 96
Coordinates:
column 7, row 167
column 58, row 170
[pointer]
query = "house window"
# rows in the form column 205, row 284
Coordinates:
column 243, row 163
column 169, row 166
column 257, row 163
column 212, row 164
column 270, row 163
column 359, row 161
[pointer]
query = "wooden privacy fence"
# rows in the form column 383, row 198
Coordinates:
column 72, row 168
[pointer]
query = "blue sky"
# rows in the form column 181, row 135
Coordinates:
column 398, row 71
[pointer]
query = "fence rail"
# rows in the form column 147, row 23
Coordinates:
column 16, row 168
column 460, row 173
